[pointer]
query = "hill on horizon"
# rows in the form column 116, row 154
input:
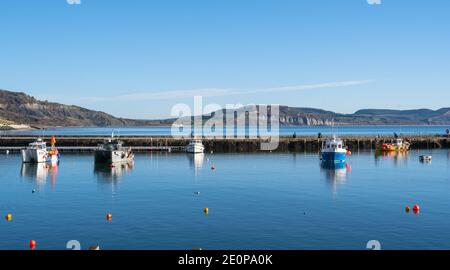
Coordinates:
column 20, row 108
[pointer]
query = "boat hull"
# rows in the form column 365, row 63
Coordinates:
column 38, row 156
column 195, row 149
column 334, row 157
column 102, row 156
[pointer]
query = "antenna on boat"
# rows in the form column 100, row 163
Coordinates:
column 42, row 133
column 332, row 127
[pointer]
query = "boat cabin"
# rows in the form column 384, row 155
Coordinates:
column 398, row 141
column 39, row 144
column 333, row 144
column 110, row 145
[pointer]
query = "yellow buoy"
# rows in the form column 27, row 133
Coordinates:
column 206, row 210
column 8, row 217
column 407, row 209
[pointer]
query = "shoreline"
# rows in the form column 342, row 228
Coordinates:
column 221, row 145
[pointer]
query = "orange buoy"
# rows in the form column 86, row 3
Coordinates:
column 8, row 217
column 32, row 244
column 416, row 208
column 407, row 209
column 206, row 210
column 109, row 217
column 349, row 153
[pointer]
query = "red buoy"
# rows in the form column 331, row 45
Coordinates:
column 416, row 208
column 32, row 244
column 109, row 217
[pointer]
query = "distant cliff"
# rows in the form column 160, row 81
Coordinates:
column 20, row 108
column 313, row 117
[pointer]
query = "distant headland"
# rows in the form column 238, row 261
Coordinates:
column 21, row 111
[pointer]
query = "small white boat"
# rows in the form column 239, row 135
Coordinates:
column 426, row 158
column 195, row 146
column 37, row 152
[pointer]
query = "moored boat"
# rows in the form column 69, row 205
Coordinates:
column 333, row 151
column 398, row 145
column 195, row 146
column 112, row 151
column 426, row 158
column 37, row 152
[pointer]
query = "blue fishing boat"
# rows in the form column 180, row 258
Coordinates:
column 333, row 151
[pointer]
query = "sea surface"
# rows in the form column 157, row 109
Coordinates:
column 255, row 201
column 285, row 131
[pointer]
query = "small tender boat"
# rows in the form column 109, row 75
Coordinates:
column 426, row 158
column 195, row 146
column 37, row 152
column 398, row 145
column 333, row 151
column 112, row 151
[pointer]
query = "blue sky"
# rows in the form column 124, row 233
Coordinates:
column 138, row 58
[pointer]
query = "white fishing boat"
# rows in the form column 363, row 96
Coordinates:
column 37, row 152
column 195, row 146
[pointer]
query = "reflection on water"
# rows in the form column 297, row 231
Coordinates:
column 107, row 172
column 39, row 172
column 196, row 161
column 335, row 174
column 154, row 207
column 398, row 157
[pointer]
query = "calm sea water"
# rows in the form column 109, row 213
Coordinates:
column 255, row 201
column 287, row 131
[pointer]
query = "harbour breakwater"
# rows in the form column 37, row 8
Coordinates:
column 236, row 145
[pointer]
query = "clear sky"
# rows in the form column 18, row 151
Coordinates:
column 138, row 58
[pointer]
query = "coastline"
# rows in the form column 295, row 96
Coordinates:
column 221, row 145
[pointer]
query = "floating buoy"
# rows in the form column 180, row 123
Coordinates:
column 33, row 191
column 109, row 217
column 206, row 210
column 349, row 153
column 32, row 244
column 416, row 208
column 407, row 209
column 8, row 217
column 94, row 248
column 197, row 193
column 213, row 168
